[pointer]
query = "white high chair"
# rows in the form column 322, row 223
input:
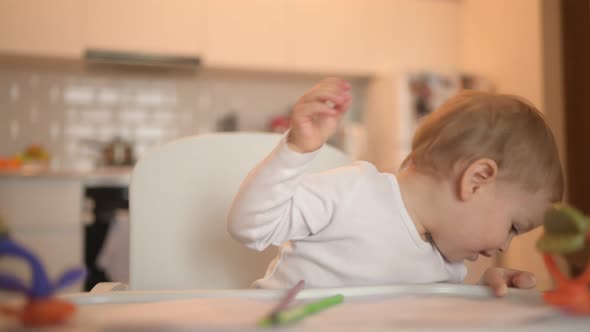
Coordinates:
column 180, row 194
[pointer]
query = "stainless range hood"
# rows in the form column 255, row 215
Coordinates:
column 110, row 57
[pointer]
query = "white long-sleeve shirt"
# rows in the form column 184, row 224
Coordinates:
column 344, row 227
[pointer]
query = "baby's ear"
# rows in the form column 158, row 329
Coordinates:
column 475, row 176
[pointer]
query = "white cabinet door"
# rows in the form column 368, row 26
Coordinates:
column 41, row 27
column 249, row 34
column 328, row 35
column 154, row 26
column 33, row 201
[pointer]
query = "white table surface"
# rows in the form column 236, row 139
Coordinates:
column 146, row 310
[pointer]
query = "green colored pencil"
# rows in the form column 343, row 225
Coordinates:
column 298, row 313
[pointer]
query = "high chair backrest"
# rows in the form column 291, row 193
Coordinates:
column 180, row 194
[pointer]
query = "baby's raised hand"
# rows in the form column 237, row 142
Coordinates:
column 317, row 114
column 499, row 279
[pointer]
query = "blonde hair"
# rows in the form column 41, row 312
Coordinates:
column 504, row 128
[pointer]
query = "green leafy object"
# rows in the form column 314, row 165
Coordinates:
column 563, row 219
column 561, row 243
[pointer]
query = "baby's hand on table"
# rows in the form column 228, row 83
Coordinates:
column 499, row 279
column 317, row 114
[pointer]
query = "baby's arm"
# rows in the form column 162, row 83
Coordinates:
column 278, row 201
column 275, row 202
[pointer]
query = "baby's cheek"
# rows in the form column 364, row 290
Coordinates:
column 493, row 239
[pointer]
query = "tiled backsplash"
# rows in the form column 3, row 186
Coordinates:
column 65, row 111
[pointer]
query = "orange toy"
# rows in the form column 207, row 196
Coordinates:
column 42, row 312
column 567, row 233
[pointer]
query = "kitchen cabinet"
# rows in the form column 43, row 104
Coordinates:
column 412, row 34
column 152, row 26
column 328, row 35
column 40, row 27
column 44, row 214
column 300, row 35
column 319, row 36
column 248, row 34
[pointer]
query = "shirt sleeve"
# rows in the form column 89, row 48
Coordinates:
column 278, row 201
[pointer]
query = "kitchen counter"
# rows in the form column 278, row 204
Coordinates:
column 102, row 176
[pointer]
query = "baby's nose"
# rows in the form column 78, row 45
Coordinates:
column 506, row 244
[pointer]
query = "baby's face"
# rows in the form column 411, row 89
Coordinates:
column 486, row 225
